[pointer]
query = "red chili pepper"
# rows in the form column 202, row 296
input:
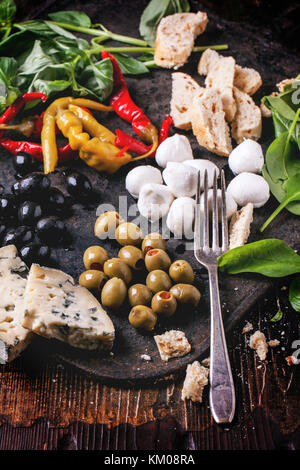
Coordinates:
column 65, row 153
column 16, row 107
column 165, row 128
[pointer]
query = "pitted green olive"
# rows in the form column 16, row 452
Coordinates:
column 157, row 259
column 186, row 294
column 114, row 293
column 139, row 294
column 152, row 241
column 132, row 256
column 182, row 272
column 164, row 303
column 115, row 267
column 94, row 257
column 142, row 317
column 129, row 234
column 106, row 224
column 93, row 279
column 158, row 280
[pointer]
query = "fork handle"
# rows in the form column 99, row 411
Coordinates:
column 222, row 394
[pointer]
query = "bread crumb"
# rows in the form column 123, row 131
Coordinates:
column 195, row 380
column 240, row 223
column 146, row 357
column 259, row 344
column 172, row 343
column 273, row 343
column 265, row 112
column 206, row 362
column 247, row 328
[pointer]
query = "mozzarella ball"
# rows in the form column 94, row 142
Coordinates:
column 174, row 149
column 154, row 201
column 246, row 157
column 248, row 187
column 202, row 165
column 181, row 216
column 141, row 175
column 181, row 179
column 231, row 205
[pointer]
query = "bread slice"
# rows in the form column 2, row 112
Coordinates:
column 184, row 90
column 247, row 121
column 209, row 124
column 221, row 76
column 239, row 230
column 175, row 38
column 246, row 79
column 283, row 83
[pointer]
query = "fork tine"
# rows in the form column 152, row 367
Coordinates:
column 215, row 216
column 206, row 213
column 224, row 215
column 197, row 234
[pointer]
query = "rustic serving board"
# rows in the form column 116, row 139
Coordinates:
column 152, row 93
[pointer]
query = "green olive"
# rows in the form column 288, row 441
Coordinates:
column 153, row 240
column 93, row 279
column 182, row 271
column 114, row 293
column 139, row 294
column 106, row 224
column 157, row 259
column 129, row 234
column 94, row 257
column 142, row 317
column 158, row 280
column 132, row 256
column 115, row 267
column 186, row 294
column 164, row 303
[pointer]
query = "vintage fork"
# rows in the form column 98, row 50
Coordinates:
column 222, row 394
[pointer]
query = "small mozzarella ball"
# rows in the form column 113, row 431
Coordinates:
column 231, row 205
column 141, row 175
column 174, row 149
column 181, row 179
column 202, row 165
column 246, row 157
column 248, row 187
column 181, row 216
column 154, row 201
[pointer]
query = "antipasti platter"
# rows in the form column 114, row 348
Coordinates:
column 83, row 78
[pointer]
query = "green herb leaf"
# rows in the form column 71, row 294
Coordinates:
column 130, row 65
column 8, row 89
column 7, row 12
column 97, row 79
column 270, row 257
column 36, row 61
column 77, row 18
column 278, row 316
column 155, row 11
column 294, row 294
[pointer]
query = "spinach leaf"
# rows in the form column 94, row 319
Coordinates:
column 155, row 11
column 270, row 257
column 278, row 316
column 77, row 18
column 275, row 161
column 130, row 65
column 7, row 12
column 294, row 294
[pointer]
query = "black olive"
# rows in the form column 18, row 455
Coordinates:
column 79, row 187
column 32, row 186
column 55, row 202
column 23, row 163
column 7, row 206
column 35, row 253
column 51, row 230
column 29, row 213
column 19, row 236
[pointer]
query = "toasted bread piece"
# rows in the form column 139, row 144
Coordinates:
column 221, row 76
column 184, row 90
column 285, row 82
column 209, row 124
column 246, row 79
column 239, row 230
column 247, row 121
column 175, row 38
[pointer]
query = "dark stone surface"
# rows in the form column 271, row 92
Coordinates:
column 251, row 48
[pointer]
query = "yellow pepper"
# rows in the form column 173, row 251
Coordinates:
column 92, row 126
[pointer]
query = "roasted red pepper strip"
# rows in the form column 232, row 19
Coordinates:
column 65, row 154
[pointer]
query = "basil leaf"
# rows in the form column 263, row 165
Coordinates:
column 8, row 89
column 60, row 31
column 270, row 257
column 97, row 79
column 7, row 12
column 50, row 87
column 294, row 294
column 155, row 11
column 36, row 61
column 130, row 65
column 278, row 316
column 77, row 18
column 17, row 43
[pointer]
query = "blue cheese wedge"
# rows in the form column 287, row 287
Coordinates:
column 13, row 274
column 55, row 307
